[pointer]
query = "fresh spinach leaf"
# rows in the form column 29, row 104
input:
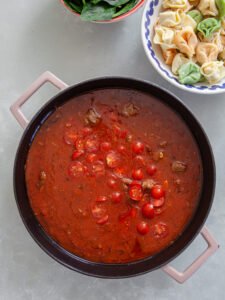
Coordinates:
column 99, row 12
column 116, row 2
column 77, row 7
column 126, row 8
column 95, row 1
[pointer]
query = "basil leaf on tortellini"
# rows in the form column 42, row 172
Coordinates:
column 208, row 26
column 221, row 6
column 196, row 15
column 189, row 73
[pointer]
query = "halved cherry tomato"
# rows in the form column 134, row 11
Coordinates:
column 160, row 230
column 91, row 157
column 77, row 153
column 151, row 169
column 98, row 168
column 70, row 137
column 101, row 199
column 79, row 144
column 105, row 146
column 113, row 159
column 91, row 145
column 137, row 174
column 135, row 182
column 76, row 169
column 158, row 202
column 103, row 220
column 86, row 131
column 143, row 228
column 157, row 192
column 116, row 197
column 98, row 211
column 138, row 147
column 136, row 192
column 148, row 210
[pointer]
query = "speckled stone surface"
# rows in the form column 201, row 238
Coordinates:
column 40, row 35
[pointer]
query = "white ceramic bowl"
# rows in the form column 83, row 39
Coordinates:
column 154, row 55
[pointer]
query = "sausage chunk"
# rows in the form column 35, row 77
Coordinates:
column 130, row 110
column 92, row 117
column 179, row 166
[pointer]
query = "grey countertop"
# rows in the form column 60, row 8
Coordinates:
column 40, row 35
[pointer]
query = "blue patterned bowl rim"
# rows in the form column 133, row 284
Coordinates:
column 146, row 21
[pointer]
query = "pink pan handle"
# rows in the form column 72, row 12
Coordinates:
column 44, row 78
column 211, row 248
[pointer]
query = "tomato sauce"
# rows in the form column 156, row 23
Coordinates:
column 114, row 175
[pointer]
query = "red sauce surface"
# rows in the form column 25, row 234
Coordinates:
column 114, row 176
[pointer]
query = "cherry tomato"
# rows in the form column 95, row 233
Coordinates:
column 98, row 168
column 70, row 137
column 98, row 211
column 135, row 182
column 136, row 192
column 112, row 182
column 158, row 202
column 151, row 169
column 113, row 159
column 105, row 146
column 116, row 197
column 91, row 157
column 103, row 220
column 160, row 230
column 91, row 145
column 79, row 144
column 143, row 228
column 148, row 210
column 77, row 153
column 101, row 199
column 138, row 147
column 76, row 169
column 86, row 131
column 157, row 192
column 137, row 174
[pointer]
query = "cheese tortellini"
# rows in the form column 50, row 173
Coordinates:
column 191, row 36
column 213, row 71
column 176, row 4
column 206, row 52
column 186, row 41
column 164, row 37
column 208, row 8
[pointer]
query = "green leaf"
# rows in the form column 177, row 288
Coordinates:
column 126, row 8
column 208, row 26
column 77, row 7
column 99, row 12
column 95, row 1
column 221, row 6
column 116, row 2
column 189, row 73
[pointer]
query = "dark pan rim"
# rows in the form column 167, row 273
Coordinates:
column 123, row 270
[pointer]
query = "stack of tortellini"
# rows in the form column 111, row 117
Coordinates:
column 191, row 35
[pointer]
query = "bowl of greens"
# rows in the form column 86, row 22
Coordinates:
column 102, row 11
